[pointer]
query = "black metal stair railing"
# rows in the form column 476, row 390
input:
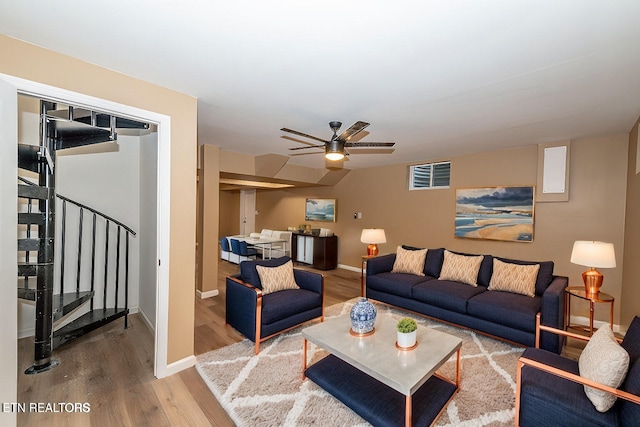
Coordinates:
column 120, row 229
column 104, row 296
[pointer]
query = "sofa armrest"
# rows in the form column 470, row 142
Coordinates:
column 309, row 280
column 242, row 303
column 552, row 313
column 381, row 264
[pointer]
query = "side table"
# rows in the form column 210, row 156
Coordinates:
column 579, row 292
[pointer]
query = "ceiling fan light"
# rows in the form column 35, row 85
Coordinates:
column 334, row 156
column 334, row 150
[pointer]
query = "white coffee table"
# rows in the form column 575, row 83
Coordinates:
column 364, row 371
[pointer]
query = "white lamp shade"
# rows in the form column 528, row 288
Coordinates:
column 593, row 254
column 373, row 235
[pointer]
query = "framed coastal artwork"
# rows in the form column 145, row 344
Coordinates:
column 320, row 210
column 495, row 213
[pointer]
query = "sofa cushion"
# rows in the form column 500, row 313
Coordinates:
column 409, row 261
column 629, row 411
column 460, row 268
column 506, row 308
column 484, row 275
column 274, row 279
column 545, row 273
column 395, row 283
column 603, row 360
column 280, row 305
column 433, row 263
column 631, row 341
column 520, row 279
column 248, row 271
column 446, row 294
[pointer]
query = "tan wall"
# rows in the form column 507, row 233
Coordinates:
column 229, row 213
column 207, row 230
column 40, row 65
column 425, row 218
column 631, row 276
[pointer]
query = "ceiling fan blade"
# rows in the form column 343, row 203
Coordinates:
column 304, row 148
column 372, row 151
column 369, row 144
column 295, row 132
column 304, row 154
column 298, row 140
column 354, row 129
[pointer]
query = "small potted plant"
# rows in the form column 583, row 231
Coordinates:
column 406, row 333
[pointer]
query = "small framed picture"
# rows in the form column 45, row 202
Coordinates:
column 320, row 210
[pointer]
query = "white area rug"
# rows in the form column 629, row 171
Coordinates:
column 268, row 390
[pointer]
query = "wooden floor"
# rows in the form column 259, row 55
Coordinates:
column 111, row 369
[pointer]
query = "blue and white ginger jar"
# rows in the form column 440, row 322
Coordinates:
column 363, row 316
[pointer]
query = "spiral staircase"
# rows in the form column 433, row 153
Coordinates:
column 65, row 311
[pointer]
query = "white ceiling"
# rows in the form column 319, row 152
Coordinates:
column 440, row 78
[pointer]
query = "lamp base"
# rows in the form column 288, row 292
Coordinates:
column 372, row 249
column 592, row 279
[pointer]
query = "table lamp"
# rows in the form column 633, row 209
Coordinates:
column 593, row 255
column 372, row 236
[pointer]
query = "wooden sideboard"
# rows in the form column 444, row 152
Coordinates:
column 319, row 252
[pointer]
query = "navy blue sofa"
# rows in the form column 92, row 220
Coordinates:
column 505, row 315
column 259, row 317
column 548, row 395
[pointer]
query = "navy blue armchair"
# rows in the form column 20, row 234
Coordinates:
column 550, row 390
column 260, row 317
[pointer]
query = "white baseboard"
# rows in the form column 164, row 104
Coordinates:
column 350, row 268
column 28, row 332
column 584, row 321
column 147, row 321
column 207, row 294
column 175, row 367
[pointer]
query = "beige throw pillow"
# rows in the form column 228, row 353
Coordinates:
column 516, row 278
column 411, row 262
column 603, row 360
column 276, row 279
column 461, row 268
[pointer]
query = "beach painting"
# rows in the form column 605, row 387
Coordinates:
column 495, row 213
column 320, row 210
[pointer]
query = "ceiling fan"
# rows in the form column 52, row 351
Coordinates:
column 335, row 148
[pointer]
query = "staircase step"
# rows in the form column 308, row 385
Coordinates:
column 28, row 268
column 27, row 293
column 33, row 192
column 31, row 218
column 64, row 304
column 104, row 121
column 28, row 244
column 28, row 157
column 87, row 323
column 70, row 134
